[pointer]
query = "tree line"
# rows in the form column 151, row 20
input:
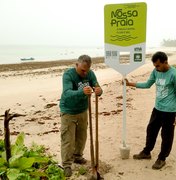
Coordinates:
column 169, row 43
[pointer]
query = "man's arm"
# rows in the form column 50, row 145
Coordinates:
column 130, row 83
column 95, row 85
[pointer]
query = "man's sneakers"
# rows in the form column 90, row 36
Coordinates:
column 80, row 160
column 158, row 164
column 142, row 155
column 67, row 171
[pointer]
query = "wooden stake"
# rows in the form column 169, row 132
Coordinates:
column 7, row 118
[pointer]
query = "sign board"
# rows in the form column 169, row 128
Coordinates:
column 125, row 36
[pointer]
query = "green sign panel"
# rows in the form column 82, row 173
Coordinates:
column 125, row 24
column 125, row 32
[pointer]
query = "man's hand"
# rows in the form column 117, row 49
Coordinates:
column 128, row 83
column 87, row 90
column 97, row 90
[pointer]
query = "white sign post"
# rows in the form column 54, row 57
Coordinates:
column 125, row 41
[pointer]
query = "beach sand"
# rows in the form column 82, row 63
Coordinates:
column 34, row 90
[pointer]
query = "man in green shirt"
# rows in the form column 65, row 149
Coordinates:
column 163, row 114
column 78, row 84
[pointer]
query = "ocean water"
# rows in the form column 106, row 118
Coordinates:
column 10, row 54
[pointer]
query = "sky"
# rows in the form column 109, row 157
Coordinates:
column 68, row 23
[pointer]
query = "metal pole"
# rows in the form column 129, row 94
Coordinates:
column 124, row 112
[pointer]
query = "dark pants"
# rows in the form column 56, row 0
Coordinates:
column 164, row 120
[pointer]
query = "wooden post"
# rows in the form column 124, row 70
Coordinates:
column 7, row 118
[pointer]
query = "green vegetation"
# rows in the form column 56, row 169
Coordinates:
column 169, row 43
column 28, row 163
column 82, row 170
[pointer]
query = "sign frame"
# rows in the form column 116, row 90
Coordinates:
column 125, row 35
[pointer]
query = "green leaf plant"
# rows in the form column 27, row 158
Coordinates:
column 27, row 163
column 30, row 163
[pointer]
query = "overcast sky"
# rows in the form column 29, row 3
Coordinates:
column 75, row 23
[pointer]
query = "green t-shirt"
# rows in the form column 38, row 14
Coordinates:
column 165, row 89
column 73, row 100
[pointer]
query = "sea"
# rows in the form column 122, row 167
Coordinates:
column 12, row 54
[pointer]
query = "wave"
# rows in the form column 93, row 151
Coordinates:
column 122, row 38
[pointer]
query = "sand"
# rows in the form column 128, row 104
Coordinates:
column 34, row 89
